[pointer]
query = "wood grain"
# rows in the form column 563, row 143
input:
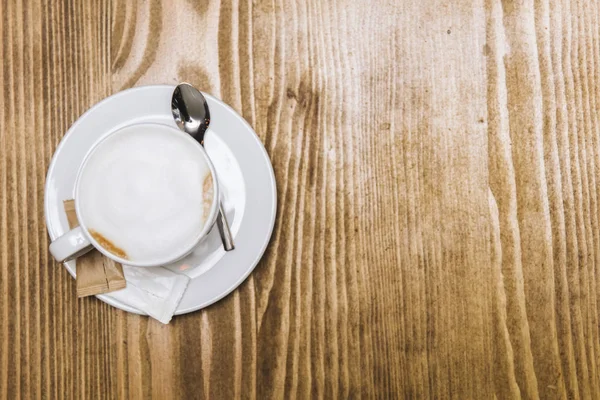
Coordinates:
column 437, row 166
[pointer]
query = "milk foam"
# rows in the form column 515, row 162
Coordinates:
column 143, row 189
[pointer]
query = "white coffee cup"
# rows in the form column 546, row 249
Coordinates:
column 143, row 174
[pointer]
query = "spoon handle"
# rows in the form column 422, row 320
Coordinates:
column 224, row 230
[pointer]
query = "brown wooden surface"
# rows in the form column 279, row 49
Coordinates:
column 438, row 169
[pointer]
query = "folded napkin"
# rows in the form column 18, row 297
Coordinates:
column 155, row 291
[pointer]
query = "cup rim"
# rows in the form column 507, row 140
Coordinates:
column 208, row 224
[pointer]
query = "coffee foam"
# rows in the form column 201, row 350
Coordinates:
column 147, row 192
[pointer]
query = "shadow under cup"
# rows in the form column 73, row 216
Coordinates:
column 146, row 195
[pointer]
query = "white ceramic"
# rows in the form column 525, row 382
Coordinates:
column 246, row 184
column 75, row 242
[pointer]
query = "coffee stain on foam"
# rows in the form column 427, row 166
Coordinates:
column 108, row 245
column 208, row 191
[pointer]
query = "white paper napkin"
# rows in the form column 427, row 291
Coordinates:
column 155, row 291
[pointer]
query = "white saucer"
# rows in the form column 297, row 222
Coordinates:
column 245, row 175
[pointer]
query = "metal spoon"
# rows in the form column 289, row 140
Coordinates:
column 190, row 110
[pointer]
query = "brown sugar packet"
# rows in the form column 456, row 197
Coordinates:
column 96, row 274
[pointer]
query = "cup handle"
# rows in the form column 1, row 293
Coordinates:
column 70, row 245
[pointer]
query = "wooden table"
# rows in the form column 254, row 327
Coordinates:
column 438, row 169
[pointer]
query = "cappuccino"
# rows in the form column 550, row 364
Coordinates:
column 145, row 193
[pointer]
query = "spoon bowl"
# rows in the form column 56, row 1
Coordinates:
column 190, row 111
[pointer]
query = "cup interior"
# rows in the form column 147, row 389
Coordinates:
column 193, row 148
